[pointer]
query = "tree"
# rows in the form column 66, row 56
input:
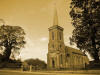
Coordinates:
column 36, row 63
column 11, row 40
column 85, row 16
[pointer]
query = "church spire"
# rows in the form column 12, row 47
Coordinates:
column 55, row 20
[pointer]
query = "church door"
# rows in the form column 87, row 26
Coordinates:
column 53, row 64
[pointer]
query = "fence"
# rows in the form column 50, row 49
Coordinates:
column 31, row 68
column 34, row 68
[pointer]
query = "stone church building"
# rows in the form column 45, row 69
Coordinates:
column 60, row 56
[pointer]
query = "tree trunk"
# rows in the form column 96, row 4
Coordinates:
column 95, row 50
column 96, row 56
column 7, row 53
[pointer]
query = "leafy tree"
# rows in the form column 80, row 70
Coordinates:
column 11, row 40
column 36, row 63
column 85, row 16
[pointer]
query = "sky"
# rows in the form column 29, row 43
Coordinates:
column 35, row 17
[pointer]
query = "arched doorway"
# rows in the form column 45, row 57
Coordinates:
column 53, row 63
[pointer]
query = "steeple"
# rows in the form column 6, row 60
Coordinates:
column 55, row 20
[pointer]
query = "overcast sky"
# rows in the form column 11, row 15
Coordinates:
column 35, row 17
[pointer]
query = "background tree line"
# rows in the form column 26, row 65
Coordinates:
column 36, row 64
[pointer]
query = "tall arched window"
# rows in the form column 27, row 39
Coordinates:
column 52, row 35
column 60, row 46
column 52, row 45
column 60, row 35
column 61, row 60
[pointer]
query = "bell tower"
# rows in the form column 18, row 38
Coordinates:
column 56, row 47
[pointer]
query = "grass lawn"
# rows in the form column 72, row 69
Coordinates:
column 5, row 72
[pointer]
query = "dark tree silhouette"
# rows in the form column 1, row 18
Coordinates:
column 11, row 40
column 36, row 62
column 85, row 16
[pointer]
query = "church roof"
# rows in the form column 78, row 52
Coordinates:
column 75, row 51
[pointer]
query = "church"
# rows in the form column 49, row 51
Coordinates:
column 60, row 56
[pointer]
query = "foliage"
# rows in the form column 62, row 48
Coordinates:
column 85, row 16
column 1, row 57
column 12, row 64
column 36, row 63
column 11, row 40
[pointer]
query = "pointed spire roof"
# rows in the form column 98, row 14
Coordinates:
column 55, row 20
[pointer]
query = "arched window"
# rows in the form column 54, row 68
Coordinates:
column 60, row 35
column 61, row 60
column 60, row 46
column 52, row 45
column 52, row 35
